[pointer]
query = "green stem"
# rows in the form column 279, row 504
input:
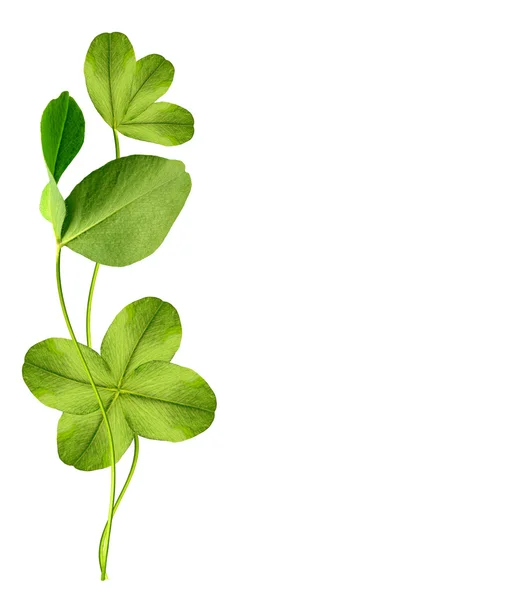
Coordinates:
column 104, row 540
column 122, row 493
column 116, row 143
column 102, row 409
column 97, row 266
column 89, row 305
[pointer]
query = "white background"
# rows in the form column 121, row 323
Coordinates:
column 348, row 274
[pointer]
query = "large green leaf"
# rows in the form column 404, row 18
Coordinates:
column 148, row 329
column 153, row 77
column 83, row 441
column 121, row 213
column 63, row 131
column 163, row 401
column 162, row 123
column 109, row 70
column 55, row 374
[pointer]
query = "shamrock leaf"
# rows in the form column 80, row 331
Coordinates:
column 62, row 132
column 142, row 393
column 124, row 92
column 121, row 213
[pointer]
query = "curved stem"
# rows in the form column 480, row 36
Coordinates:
column 104, row 540
column 89, row 305
column 97, row 265
column 102, row 409
column 122, row 493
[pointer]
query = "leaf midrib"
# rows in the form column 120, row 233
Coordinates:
column 147, row 397
column 125, row 368
column 153, row 123
column 61, row 138
column 140, row 88
column 96, row 431
column 109, row 77
column 102, row 387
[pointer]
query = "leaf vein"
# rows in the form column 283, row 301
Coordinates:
column 146, row 397
column 144, row 82
column 64, row 376
column 96, row 431
column 139, row 340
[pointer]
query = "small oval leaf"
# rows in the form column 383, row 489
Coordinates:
column 63, row 131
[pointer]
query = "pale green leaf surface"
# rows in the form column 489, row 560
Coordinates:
column 145, row 330
column 122, row 212
column 109, row 70
column 52, row 206
column 162, row 123
column 153, row 77
column 83, row 441
column 62, row 130
column 167, row 402
column 45, row 203
column 55, row 374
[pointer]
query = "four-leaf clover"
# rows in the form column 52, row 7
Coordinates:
column 142, row 391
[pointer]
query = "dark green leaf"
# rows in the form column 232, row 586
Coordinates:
column 122, row 212
column 63, row 130
column 148, row 329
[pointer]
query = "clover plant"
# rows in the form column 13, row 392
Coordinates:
column 116, row 216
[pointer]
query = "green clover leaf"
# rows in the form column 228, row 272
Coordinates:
column 142, row 392
column 124, row 91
